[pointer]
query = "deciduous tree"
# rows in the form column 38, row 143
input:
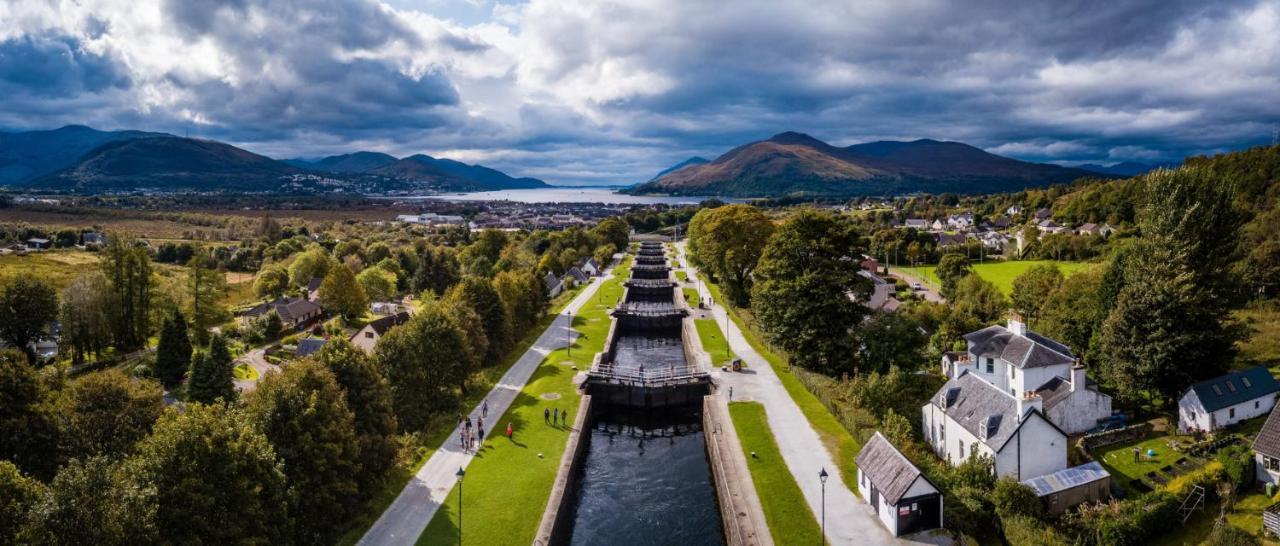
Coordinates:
column 272, row 282
column 18, row 494
column 27, row 305
column 106, row 413
column 91, row 502
column 420, row 360
column 479, row 293
column 28, row 428
column 368, row 396
column 85, row 313
column 1031, row 289
column 728, row 241
column 951, row 268
column 341, row 293
column 378, row 284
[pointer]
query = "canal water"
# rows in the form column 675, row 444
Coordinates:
column 646, row 481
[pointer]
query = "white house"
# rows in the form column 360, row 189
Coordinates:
column 917, row 223
column 1266, row 450
column 960, row 221
column 590, row 267
column 968, row 417
column 367, row 338
column 553, row 285
column 1226, row 400
column 904, row 499
column 1020, row 362
column 1013, row 210
column 938, row 225
column 1049, row 226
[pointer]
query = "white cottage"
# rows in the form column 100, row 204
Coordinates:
column 1266, row 450
column 1226, row 400
column 1022, row 362
column 904, row 499
column 969, row 416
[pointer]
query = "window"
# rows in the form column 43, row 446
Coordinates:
column 1013, row 372
column 1231, row 386
column 368, row 335
column 1053, row 499
column 1217, row 390
column 1231, row 413
column 961, row 444
column 1255, row 404
column 1270, row 463
column 991, row 366
column 1246, row 382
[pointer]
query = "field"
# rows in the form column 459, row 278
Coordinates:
column 1000, row 274
column 520, row 472
column 1262, row 346
column 789, row 518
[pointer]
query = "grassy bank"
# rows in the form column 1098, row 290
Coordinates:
column 1000, row 274
column 509, row 481
column 790, row 520
column 713, row 341
column 842, row 445
column 439, row 430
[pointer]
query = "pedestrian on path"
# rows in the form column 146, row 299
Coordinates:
column 509, row 432
column 481, row 434
column 555, row 416
column 546, row 415
column 468, row 422
column 730, row 393
column 564, row 417
column 479, row 422
column 484, row 409
column 462, row 439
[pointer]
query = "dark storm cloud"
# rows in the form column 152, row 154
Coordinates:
column 54, row 67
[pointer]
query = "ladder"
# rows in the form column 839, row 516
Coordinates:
column 1193, row 502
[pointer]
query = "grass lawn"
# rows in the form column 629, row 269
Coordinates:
column 1118, row 459
column 1246, row 515
column 509, row 481
column 245, row 372
column 438, row 431
column 999, row 273
column 713, row 340
column 790, row 520
column 690, row 296
column 681, row 275
column 842, row 445
column 1262, row 347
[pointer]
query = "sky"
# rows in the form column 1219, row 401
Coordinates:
column 611, row 92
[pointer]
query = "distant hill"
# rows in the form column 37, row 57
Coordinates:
column 169, row 162
column 451, row 175
column 691, row 161
column 1125, row 168
column 790, row 164
column 357, row 162
column 29, row 155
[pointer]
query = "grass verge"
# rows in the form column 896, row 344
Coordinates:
column 713, row 341
column 790, row 520
column 509, row 481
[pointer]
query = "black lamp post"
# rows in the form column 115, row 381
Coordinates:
column 822, row 477
column 460, row 474
column 568, row 333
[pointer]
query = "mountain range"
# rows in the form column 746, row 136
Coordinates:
column 796, row 164
column 80, row 158
column 1125, row 168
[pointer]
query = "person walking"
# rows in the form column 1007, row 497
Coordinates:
column 555, row 416
column 479, row 422
column 564, row 417
column 730, row 393
column 480, row 436
column 484, row 409
column 546, row 415
column 510, row 432
column 468, row 423
column 462, row 439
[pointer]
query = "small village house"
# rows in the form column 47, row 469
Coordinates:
column 904, row 500
column 313, row 288
column 1071, row 487
column 37, row 243
column 309, row 346
column 552, row 284
column 294, row 312
column 1266, row 450
column 367, row 338
column 1226, row 400
column 968, row 417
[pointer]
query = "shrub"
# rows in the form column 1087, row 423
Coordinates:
column 1226, row 534
column 1023, row 530
column 1012, row 499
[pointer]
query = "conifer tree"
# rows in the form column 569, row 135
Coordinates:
column 173, row 353
column 212, row 375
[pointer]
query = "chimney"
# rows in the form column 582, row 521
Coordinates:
column 1078, row 378
column 1027, row 401
column 1016, row 324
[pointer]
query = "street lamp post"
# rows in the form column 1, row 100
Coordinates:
column 460, row 474
column 568, row 333
column 822, row 477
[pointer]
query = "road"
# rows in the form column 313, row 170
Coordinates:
column 256, row 358
column 930, row 294
column 403, row 522
column 848, row 519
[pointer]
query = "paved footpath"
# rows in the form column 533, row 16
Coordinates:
column 403, row 522
column 848, row 519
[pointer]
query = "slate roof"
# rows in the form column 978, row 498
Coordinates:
column 947, row 239
column 974, row 404
column 380, row 326
column 887, row 468
column 1058, row 389
column 1235, row 388
column 1268, row 440
column 577, row 274
column 1030, row 351
column 1067, row 478
column 289, row 309
column 314, row 284
column 550, row 281
column 310, row 346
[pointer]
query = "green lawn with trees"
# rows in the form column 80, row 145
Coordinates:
column 509, row 481
column 999, row 273
column 789, row 518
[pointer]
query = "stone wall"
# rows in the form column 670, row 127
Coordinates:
column 1130, row 433
column 557, row 524
column 741, row 513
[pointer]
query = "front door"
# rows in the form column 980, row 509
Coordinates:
column 875, row 498
column 919, row 514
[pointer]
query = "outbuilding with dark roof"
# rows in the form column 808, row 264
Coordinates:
column 904, row 499
column 1227, row 399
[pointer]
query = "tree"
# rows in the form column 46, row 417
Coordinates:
column 1191, row 211
column 368, row 396
column 377, row 252
column 205, row 286
column 438, row 270
column 1031, row 289
column 886, row 340
column 106, row 413
column 465, row 318
column 802, row 288
column 524, row 297
column 313, row 263
column 173, row 351
column 951, row 268
column 378, row 284
column 269, row 229
column 18, row 494
column 977, row 300
column 28, row 428
column 85, row 314
column 212, row 374
column 612, row 230
column 1012, row 498
column 127, row 266
column 216, row 479
column 27, row 305
column 728, row 242
column 479, row 293
column 420, row 360
column 91, row 502
column 1074, row 312
column 304, row 415
column 272, row 282
column 342, row 294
